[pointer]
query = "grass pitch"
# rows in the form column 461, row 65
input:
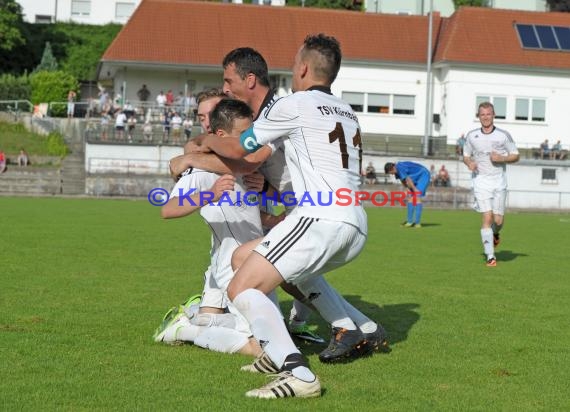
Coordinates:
column 84, row 283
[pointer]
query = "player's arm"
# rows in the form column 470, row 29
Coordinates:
column 470, row 163
column 409, row 183
column 187, row 203
column 509, row 158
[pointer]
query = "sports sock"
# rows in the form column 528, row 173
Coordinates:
column 226, row 320
column 419, row 208
column 266, row 325
column 221, row 339
column 327, row 302
column 410, row 212
column 364, row 323
column 188, row 332
column 299, row 312
column 298, row 366
column 487, row 239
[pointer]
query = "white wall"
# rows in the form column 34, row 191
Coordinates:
column 102, row 11
column 100, row 158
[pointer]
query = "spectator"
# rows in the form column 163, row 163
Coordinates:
column 370, row 173
column 2, row 161
column 131, row 124
column 103, row 101
column 143, row 93
column 442, row 177
column 556, row 151
column 187, row 125
column 459, row 145
column 22, row 158
column 166, row 127
column 169, row 98
column 71, row 96
column 120, row 121
column 161, row 100
column 176, row 124
column 544, row 149
column 179, row 103
column 147, row 131
column 104, row 125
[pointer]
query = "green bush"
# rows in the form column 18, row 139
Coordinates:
column 15, row 87
column 52, row 86
column 56, row 145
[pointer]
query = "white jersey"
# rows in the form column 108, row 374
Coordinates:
column 322, row 150
column 479, row 146
column 231, row 224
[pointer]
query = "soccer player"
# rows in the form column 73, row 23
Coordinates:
column 487, row 151
column 232, row 223
column 321, row 137
column 246, row 78
column 416, row 178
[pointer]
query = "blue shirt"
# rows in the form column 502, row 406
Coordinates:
column 412, row 170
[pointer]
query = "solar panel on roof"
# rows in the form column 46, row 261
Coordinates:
column 546, row 37
column 563, row 35
column 527, row 36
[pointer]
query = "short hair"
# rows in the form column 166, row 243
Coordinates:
column 388, row 166
column 486, row 105
column 209, row 94
column 327, row 64
column 248, row 60
column 226, row 112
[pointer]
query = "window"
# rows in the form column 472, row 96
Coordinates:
column 549, row 176
column 43, row 19
column 356, row 100
column 530, row 109
column 404, row 104
column 80, row 7
column 499, row 103
column 378, row 103
column 124, row 10
column 543, row 37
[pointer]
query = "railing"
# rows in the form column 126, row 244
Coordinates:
column 15, row 107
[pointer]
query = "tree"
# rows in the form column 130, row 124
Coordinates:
column 559, row 5
column 11, row 23
column 48, row 62
column 475, row 3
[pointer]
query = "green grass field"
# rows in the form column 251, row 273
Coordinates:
column 84, row 283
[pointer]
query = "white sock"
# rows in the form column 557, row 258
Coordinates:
column 299, row 313
column 303, row 373
column 364, row 323
column 266, row 325
column 188, row 332
column 223, row 340
column 327, row 302
column 487, row 239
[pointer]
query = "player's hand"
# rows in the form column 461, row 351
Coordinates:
column 254, row 181
column 497, row 158
column 472, row 166
column 224, row 183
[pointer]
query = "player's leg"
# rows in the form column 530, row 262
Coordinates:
column 484, row 204
column 499, row 202
column 422, row 186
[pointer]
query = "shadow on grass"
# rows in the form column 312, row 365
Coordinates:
column 506, row 255
column 397, row 319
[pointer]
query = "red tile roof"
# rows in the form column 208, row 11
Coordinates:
column 201, row 33
column 488, row 36
column 197, row 33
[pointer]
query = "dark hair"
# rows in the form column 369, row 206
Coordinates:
column 327, row 64
column 226, row 112
column 388, row 166
column 248, row 60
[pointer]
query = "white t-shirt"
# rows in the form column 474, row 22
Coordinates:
column 479, row 145
column 231, row 224
column 322, row 151
column 120, row 120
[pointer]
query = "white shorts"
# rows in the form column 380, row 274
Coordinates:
column 490, row 194
column 300, row 246
column 212, row 295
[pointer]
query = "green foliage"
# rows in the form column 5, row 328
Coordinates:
column 11, row 23
column 76, row 47
column 56, row 145
column 48, row 62
column 474, row 3
column 14, row 87
column 53, row 86
column 559, row 5
column 15, row 136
